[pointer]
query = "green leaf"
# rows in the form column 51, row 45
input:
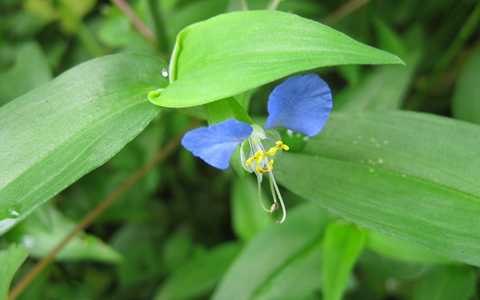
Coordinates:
column 55, row 134
column 280, row 262
column 383, row 89
column 30, row 70
column 409, row 175
column 466, row 104
column 247, row 216
column 10, row 259
column 47, row 227
column 225, row 109
column 199, row 275
column 342, row 246
column 446, row 283
column 238, row 51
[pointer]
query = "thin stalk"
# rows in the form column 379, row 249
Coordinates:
column 344, row 10
column 468, row 28
column 135, row 20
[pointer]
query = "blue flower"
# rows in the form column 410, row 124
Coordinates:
column 300, row 104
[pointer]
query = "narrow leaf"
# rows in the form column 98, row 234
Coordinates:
column 343, row 244
column 47, row 227
column 10, row 259
column 283, row 261
column 238, row 51
column 466, row 100
column 412, row 176
column 199, row 275
column 55, row 134
column 384, row 89
column 30, row 70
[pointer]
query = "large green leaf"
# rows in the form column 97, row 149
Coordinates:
column 45, row 228
column 342, row 245
column 10, row 259
column 53, row 135
column 466, row 101
column 410, row 175
column 283, row 261
column 199, row 275
column 446, row 283
column 238, row 51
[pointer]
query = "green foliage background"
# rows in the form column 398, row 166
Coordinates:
column 384, row 204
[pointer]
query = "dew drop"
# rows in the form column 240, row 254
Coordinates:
column 165, row 72
column 13, row 213
column 28, row 241
column 380, row 161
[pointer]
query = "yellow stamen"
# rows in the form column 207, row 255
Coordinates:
column 282, row 146
column 259, row 156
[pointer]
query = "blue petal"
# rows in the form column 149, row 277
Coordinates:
column 300, row 103
column 215, row 144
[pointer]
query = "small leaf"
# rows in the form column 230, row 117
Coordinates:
column 55, row 134
column 383, row 89
column 342, row 246
column 30, row 70
column 47, row 227
column 280, row 262
column 238, row 51
column 199, row 275
column 446, row 283
column 248, row 217
column 10, row 259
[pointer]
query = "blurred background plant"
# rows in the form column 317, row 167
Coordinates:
column 178, row 228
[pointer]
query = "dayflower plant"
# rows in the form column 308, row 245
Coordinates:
column 300, row 104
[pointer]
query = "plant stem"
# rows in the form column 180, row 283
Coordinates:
column 92, row 215
column 274, row 4
column 135, row 20
column 344, row 11
column 468, row 28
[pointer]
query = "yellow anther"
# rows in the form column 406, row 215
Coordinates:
column 266, row 169
column 282, row 146
column 259, row 156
